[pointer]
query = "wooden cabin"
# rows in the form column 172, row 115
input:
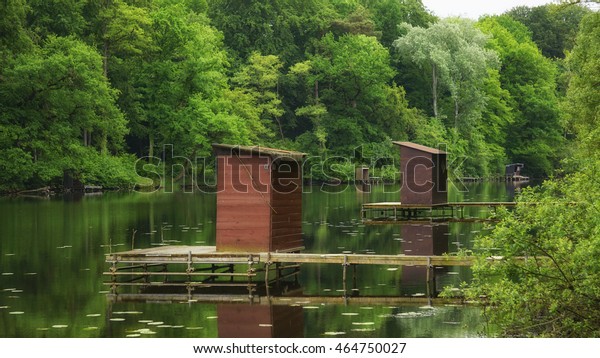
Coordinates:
column 361, row 175
column 259, row 199
column 514, row 169
column 424, row 175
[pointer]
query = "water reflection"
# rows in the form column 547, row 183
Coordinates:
column 52, row 260
column 268, row 321
column 424, row 240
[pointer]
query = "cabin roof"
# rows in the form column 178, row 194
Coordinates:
column 271, row 152
column 419, row 147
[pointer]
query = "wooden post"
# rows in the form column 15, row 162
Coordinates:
column 429, row 276
column 267, row 268
column 354, row 276
column 344, row 272
column 249, row 271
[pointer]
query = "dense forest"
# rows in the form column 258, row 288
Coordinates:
column 88, row 87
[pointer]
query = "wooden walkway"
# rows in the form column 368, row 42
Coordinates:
column 397, row 210
column 193, row 267
column 209, row 255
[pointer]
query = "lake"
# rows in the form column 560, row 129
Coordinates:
column 52, row 256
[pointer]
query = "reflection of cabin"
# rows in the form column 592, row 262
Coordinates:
column 258, row 321
column 425, row 239
column 259, row 199
column 424, row 175
column 422, row 240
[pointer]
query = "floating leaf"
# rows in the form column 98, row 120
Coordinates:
column 128, row 312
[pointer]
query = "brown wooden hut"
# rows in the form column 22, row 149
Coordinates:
column 424, row 175
column 259, row 199
column 361, row 175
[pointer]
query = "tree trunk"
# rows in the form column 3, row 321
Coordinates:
column 280, row 127
column 456, row 112
column 105, row 52
column 104, row 143
column 434, row 85
column 150, row 146
column 317, row 91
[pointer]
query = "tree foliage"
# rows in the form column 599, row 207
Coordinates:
column 321, row 76
column 555, row 290
column 530, row 79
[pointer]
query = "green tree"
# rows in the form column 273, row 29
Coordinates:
column 454, row 55
column 58, row 17
column 553, row 27
column 389, row 14
column 13, row 34
column 350, row 97
column 56, row 102
column 530, row 78
column 582, row 104
column 260, row 79
column 178, row 92
column 273, row 27
column 555, row 290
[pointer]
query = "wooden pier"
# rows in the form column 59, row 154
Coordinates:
column 399, row 211
column 193, row 267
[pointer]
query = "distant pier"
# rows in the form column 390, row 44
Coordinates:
column 398, row 211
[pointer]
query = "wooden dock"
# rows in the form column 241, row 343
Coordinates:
column 203, row 266
column 450, row 210
column 209, row 255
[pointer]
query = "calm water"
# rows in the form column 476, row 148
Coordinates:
column 52, row 259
